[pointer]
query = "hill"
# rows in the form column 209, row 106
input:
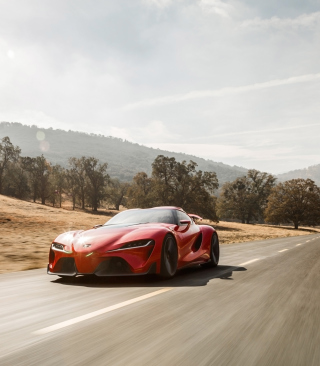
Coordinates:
column 124, row 158
column 312, row 172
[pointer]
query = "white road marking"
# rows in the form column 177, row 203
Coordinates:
column 252, row 260
column 81, row 318
column 307, row 241
column 298, row 244
column 283, row 250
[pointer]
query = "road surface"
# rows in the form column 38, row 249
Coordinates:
column 260, row 306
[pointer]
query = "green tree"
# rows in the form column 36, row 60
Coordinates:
column 72, row 186
column 140, row 191
column 246, row 197
column 16, row 181
column 116, row 192
column 97, row 180
column 175, row 184
column 39, row 171
column 8, row 153
column 78, row 173
column 28, row 165
column 58, row 181
column 295, row 201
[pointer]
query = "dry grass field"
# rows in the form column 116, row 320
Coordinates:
column 27, row 230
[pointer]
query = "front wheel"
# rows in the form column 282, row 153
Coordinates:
column 169, row 257
column 214, row 252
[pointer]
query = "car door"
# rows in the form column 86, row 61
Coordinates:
column 187, row 234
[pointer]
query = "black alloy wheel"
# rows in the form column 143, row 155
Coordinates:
column 169, row 257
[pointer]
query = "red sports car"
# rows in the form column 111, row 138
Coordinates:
column 156, row 240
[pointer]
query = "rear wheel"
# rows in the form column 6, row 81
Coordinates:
column 169, row 257
column 214, row 252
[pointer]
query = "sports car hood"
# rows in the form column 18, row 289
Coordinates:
column 110, row 237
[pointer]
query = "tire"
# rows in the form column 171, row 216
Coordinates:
column 214, row 252
column 169, row 257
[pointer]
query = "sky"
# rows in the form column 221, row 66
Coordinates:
column 233, row 81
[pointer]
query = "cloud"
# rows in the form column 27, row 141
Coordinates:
column 218, row 7
column 222, row 151
column 155, row 131
column 151, row 132
column 303, row 21
column 10, row 54
column 221, row 92
column 158, row 3
column 122, row 133
column 31, row 117
column 258, row 132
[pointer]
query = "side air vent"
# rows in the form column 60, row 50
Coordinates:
column 197, row 244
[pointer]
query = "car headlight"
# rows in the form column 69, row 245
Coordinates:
column 138, row 244
column 134, row 245
column 60, row 247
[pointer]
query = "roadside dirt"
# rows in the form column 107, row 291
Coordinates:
column 27, row 230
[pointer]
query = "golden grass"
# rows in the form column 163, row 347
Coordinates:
column 27, row 230
column 233, row 232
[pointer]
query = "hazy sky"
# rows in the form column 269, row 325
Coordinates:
column 228, row 80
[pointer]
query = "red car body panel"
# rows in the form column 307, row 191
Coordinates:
column 98, row 250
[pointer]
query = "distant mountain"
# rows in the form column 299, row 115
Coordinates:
column 312, row 172
column 124, row 158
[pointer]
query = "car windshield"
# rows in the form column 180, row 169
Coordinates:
column 143, row 216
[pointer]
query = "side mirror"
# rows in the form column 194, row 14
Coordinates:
column 185, row 222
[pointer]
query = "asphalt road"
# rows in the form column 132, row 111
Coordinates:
column 261, row 306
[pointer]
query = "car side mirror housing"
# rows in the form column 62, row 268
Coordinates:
column 185, row 222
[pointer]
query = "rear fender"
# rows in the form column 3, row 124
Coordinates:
column 207, row 232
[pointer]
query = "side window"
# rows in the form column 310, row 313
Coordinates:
column 183, row 216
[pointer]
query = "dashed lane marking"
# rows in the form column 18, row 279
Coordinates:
column 81, row 318
column 298, row 245
column 252, row 260
column 283, row 250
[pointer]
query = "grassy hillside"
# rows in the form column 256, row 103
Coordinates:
column 312, row 172
column 124, row 158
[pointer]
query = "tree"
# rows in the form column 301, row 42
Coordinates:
column 8, row 153
column 175, row 184
column 39, row 170
column 58, row 183
column 97, row 180
column 43, row 171
column 72, row 185
column 28, row 165
column 116, row 192
column 140, row 191
column 295, row 201
column 78, row 173
column 246, row 197
column 16, row 181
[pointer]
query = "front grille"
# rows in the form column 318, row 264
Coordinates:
column 65, row 266
column 113, row 267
